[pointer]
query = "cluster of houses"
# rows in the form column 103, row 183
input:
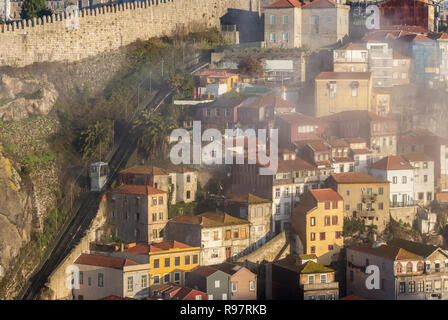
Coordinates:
column 347, row 159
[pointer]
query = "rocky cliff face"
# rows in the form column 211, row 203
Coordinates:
column 21, row 98
column 15, row 213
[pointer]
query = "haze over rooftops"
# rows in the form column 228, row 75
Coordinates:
column 416, row 156
column 396, row 162
column 356, row 177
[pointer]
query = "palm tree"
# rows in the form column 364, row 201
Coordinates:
column 152, row 131
column 96, row 139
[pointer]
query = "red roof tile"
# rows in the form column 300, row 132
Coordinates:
column 297, row 118
column 145, row 248
column 416, row 156
column 355, row 177
column 104, row 261
column 320, row 4
column 322, row 195
column 442, row 196
column 137, row 189
column 392, row 163
column 285, row 4
column 210, row 219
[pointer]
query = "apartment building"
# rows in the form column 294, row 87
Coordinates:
column 342, row 91
column 293, row 127
column 318, row 153
column 423, row 176
column 380, row 63
column 294, row 176
column 351, row 57
column 316, row 24
column 340, row 157
column 223, row 111
column 317, row 221
column 254, row 209
column 221, row 236
column 361, row 155
column 243, row 282
column 433, row 146
column 302, row 278
column 379, row 132
column 139, row 212
column 381, row 100
column 401, row 68
column 418, row 272
column 99, row 276
column 400, row 173
column 214, row 282
column 167, row 261
column 179, row 181
column 364, row 197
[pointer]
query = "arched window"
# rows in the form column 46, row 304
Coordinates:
column 409, row 267
column 399, row 268
column 420, row 266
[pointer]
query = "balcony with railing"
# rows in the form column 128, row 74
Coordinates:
column 368, row 197
column 410, row 203
column 320, row 286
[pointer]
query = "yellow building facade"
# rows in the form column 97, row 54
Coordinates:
column 318, row 223
column 342, row 91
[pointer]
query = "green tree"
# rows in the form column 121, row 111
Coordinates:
column 251, row 67
column 96, row 139
column 34, row 8
column 183, row 82
column 152, row 131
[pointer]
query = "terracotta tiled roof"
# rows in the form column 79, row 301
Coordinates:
column 145, row 170
column 338, row 143
column 246, row 198
column 175, row 291
column 316, row 4
column 355, row 140
column 294, row 165
column 227, row 267
column 322, row 195
column 389, row 252
column 442, row 196
column 421, row 37
column 392, row 163
column 420, row 249
column 416, row 156
column 343, row 76
column 137, row 189
column 319, row 146
column 104, row 261
column 301, row 209
column 285, row 4
column 145, row 248
column 209, row 219
column 342, row 159
column 355, row 177
column 204, row 271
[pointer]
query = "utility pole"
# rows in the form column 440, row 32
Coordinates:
column 150, row 84
column 162, row 67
